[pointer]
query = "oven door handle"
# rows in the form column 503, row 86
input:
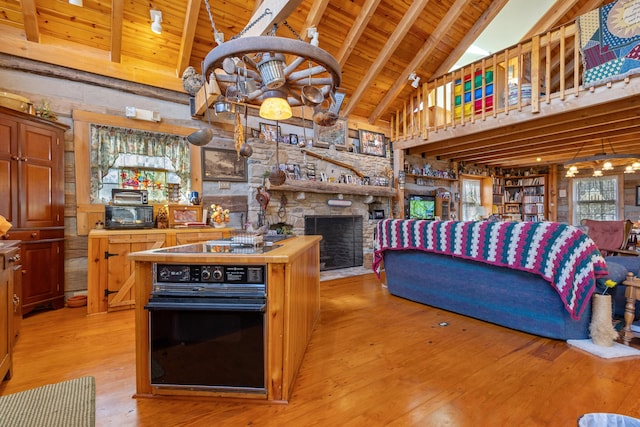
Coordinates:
column 217, row 306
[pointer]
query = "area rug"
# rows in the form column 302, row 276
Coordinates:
column 615, row 351
column 65, row 404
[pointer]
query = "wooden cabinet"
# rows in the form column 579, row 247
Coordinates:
column 111, row 274
column 32, row 177
column 8, row 256
column 442, row 208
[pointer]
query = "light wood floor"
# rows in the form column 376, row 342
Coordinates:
column 374, row 360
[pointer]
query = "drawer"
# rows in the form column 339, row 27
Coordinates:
column 23, row 235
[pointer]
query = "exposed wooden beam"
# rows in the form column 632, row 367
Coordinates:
column 551, row 18
column 55, row 51
column 188, row 34
column 315, row 13
column 425, row 51
column 280, row 10
column 356, row 31
column 485, row 19
column 117, row 13
column 409, row 18
column 30, row 17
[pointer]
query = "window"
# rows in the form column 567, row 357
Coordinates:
column 129, row 158
column 471, row 201
column 595, row 198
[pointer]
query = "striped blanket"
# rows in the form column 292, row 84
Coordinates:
column 561, row 254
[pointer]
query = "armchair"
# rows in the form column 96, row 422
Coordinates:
column 611, row 237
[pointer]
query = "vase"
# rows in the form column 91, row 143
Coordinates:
column 601, row 326
column 219, row 224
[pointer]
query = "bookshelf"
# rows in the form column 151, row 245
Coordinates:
column 525, row 198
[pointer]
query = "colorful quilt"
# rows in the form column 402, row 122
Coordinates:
column 561, row 254
column 610, row 42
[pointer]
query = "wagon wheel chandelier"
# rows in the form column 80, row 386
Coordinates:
column 602, row 162
column 273, row 71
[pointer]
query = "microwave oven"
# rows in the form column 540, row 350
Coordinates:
column 118, row 217
column 125, row 196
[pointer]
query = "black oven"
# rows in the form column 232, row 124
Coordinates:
column 207, row 327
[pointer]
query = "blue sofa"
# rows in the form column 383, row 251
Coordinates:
column 428, row 263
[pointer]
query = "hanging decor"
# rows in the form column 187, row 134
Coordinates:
column 273, row 72
column 604, row 162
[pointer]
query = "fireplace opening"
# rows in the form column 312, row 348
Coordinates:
column 341, row 244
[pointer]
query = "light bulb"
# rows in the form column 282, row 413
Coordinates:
column 156, row 17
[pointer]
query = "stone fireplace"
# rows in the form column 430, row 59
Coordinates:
column 341, row 244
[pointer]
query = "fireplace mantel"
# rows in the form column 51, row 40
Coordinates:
column 334, row 188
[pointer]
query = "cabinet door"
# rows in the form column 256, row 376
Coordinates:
column 8, row 169
column 41, row 196
column 5, row 339
column 120, row 271
column 42, row 277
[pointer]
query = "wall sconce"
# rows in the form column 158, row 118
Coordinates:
column 76, row 2
column 156, row 17
column 416, row 80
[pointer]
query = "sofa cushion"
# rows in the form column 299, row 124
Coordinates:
column 618, row 266
column 631, row 263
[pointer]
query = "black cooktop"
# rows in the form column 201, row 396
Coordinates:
column 226, row 246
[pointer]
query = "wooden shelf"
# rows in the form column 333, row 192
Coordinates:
column 334, row 188
column 434, row 178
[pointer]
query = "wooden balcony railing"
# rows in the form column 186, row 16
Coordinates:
column 523, row 77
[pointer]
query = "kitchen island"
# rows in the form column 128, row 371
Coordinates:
column 290, row 273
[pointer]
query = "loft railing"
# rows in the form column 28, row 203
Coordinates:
column 523, row 77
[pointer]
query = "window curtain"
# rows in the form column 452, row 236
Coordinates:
column 108, row 142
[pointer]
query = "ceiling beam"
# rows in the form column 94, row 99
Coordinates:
column 317, row 10
column 405, row 24
column 280, row 11
column 356, row 31
column 30, row 18
column 480, row 25
column 117, row 14
column 188, row 34
column 423, row 54
column 551, row 18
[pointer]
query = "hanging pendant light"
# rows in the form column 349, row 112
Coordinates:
column 275, row 106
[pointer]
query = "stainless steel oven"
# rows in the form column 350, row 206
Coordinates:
column 207, row 327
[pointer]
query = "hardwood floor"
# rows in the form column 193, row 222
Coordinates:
column 373, row 360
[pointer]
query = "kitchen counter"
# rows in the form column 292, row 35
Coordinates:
column 110, row 273
column 292, row 310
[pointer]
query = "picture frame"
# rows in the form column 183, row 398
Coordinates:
column 637, row 195
column 269, row 132
column 182, row 214
column 219, row 164
column 325, row 136
column 372, row 143
column 255, row 133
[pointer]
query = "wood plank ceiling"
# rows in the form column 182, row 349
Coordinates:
column 378, row 43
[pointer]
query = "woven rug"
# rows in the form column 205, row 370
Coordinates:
column 613, row 352
column 65, row 404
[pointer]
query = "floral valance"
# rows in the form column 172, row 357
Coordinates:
column 109, row 142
